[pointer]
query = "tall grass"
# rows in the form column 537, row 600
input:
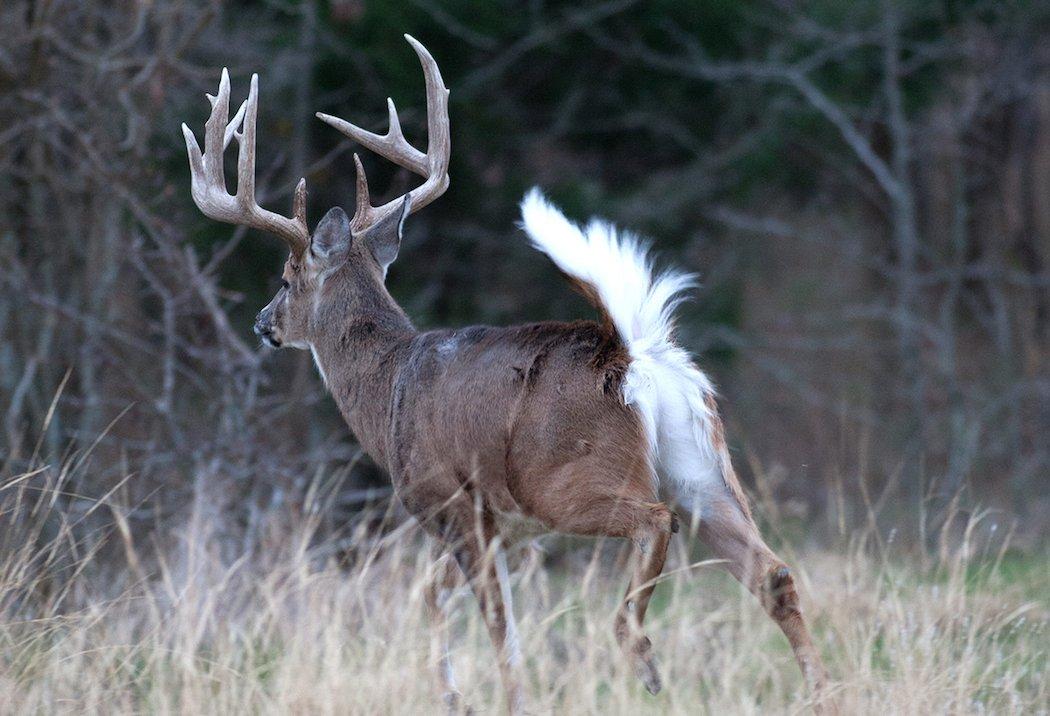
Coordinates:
column 95, row 622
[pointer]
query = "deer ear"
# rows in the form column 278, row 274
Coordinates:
column 384, row 239
column 331, row 238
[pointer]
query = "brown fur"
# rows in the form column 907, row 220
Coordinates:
column 729, row 477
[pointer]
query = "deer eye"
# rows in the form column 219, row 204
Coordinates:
column 284, row 284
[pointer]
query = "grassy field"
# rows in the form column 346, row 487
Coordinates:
column 293, row 626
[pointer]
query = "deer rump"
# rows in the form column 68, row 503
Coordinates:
column 532, row 416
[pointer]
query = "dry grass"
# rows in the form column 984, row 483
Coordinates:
column 284, row 628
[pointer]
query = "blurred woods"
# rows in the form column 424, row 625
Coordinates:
column 862, row 188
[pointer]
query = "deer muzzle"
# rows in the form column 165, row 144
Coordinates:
column 264, row 328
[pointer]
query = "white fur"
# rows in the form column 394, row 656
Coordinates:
column 448, row 672
column 317, row 362
column 511, row 643
column 662, row 382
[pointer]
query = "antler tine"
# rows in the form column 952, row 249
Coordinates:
column 391, row 145
column 246, row 154
column 439, row 140
column 215, row 131
column 363, row 211
column 231, row 128
column 209, row 181
column 433, row 165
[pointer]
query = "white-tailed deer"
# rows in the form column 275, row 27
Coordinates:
column 576, row 426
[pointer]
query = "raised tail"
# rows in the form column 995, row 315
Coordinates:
column 674, row 399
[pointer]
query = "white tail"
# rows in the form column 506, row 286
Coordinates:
column 673, row 397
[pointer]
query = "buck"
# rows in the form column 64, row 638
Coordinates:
column 578, row 427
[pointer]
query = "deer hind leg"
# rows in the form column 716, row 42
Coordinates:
column 601, row 497
column 650, row 552
column 438, row 590
column 734, row 537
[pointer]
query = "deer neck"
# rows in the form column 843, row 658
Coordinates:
column 358, row 356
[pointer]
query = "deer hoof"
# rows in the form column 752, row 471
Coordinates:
column 454, row 705
column 645, row 666
column 646, row 669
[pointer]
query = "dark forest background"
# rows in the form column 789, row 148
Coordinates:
column 864, row 188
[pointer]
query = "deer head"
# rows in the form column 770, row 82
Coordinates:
column 345, row 257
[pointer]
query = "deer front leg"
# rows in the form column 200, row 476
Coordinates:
column 456, row 516
column 438, row 591
column 485, row 568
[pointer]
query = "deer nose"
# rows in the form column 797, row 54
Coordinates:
column 263, row 324
column 262, row 327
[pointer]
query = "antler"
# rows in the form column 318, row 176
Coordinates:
column 209, row 181
column 433, row 165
